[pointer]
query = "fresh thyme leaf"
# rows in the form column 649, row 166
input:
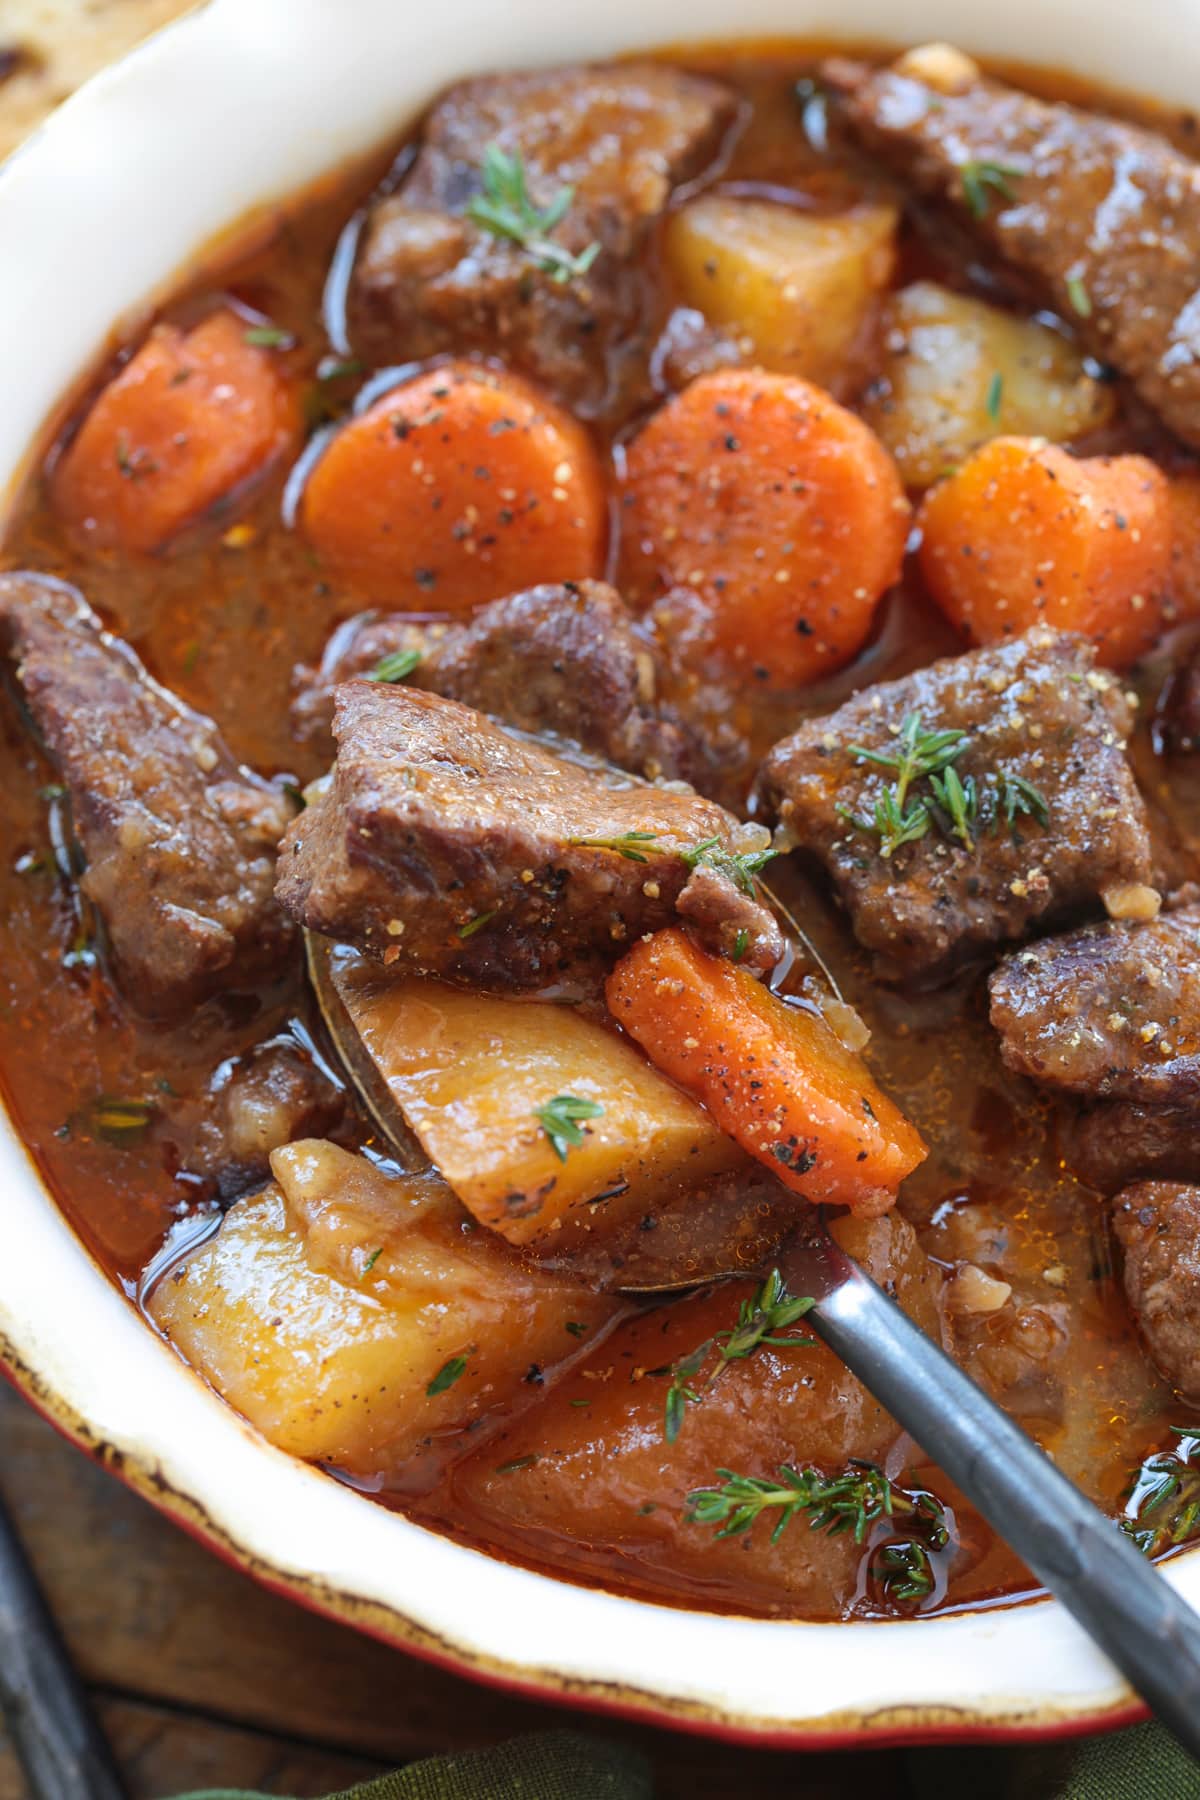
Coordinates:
column 980, row 180
column 626, row 845
column 902, row 1570
column 120, row 1122
column 1019, row 797
column 268, row 337
column 853, row 1501
column 740, row 866
column 560, row 1120
column 296, row 795
column 398, row 665
column 1162, row 1499
column 476, row 924
column 447, row 1375
column 959, row 803
column 372, row 1259
column 333, row 368
column 917, row 753
column 575, row 1328
column 892, row 826
column 1077, row 294
column 741, row 944
column 995, row 397
column 518, row 1462
column 771, row 1310
column 506, row 209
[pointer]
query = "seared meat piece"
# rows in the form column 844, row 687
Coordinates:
column 1157, row 1224
column 428, row 279
column 179, row 840
column 1118, row 1141
column 1101, row 218
column 448, row 844
column 558, row 658
column 1181, row 711
column 254, row 1104
column 1109, row 1012
column 1045, row 734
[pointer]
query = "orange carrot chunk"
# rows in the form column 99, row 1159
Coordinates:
column 776, row 1078
column 458, row 487
column 191, row 418
column 1025, row 534
column 780, row 510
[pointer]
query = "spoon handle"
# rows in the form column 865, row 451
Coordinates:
column 1117, row 1595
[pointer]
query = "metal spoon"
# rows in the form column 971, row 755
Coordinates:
column 1118, row 1597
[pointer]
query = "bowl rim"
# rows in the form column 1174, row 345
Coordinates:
column 1001, row 1673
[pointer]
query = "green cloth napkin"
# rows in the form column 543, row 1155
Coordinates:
column 1142, row 1763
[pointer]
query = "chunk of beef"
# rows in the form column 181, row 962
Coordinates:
column 1179, row 720
column 1157, row 1224
column 446, row 843
column 1101, row 218
column 1036, row 712
column 276, row 1093
column 559, row 659
column 621, row 138
column 1118, row 1141
column 178, row 839
column 1109, row 1012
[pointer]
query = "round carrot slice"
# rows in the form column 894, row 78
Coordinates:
column 780, row 510
column 458, row 487
column 191, row 417
column 1025, row 534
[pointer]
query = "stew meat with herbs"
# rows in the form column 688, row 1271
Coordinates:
column 626, row 674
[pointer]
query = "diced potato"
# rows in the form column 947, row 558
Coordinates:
column 332, row 1310
column 960, row 372
column 796, row 286
column 470, row 1073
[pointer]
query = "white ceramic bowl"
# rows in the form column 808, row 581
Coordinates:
column 240, row 103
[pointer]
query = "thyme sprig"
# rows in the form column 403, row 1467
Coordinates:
column 771, row 1310
column 981, row 179
column 396, row 666
column 857, row 1499
column 1162, row 1500
column 626, row 845
column 741, row 867
column 561, row 1120
column 506, row 209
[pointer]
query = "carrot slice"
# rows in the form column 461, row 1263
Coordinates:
column 773, row 1076
column 458, row 487
column 781, row 511
column 191, row 417
column 1025, row 534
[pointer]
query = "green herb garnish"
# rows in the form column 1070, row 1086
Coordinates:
column 1162, row 1500
column 518, row 1462
column 268, row 337
column 958, row 801
column 626, row 845
column 1077, row 294
column 902, row 1570
column 1019, row 797
column 476, row 924
column 447, row 1375
column 980, row 180
column 741, row 944
column 120, row 1122
column 372, row 1260
column 995, row 397
column 506, row 209
column 740, row 867
column 398, row 665
column 771, row 1310
column 560, row 1120
column 857, row 1499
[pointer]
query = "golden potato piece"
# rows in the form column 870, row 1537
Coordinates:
column 471, row 1072
column 960, row 372
column 352, row 1317
column 796, row 287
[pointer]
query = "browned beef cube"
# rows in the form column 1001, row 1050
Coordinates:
column 1118, row 1141
column 179, row 840
column 1101, row 218
column 561, row 659
column 1057, row 821
column 1180, row 719
column 1157, row 1224
column 622, row 137
column 275, row 1094
column 1108, row 1012
column 462, row 851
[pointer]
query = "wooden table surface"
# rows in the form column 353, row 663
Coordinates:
column 201, row 1678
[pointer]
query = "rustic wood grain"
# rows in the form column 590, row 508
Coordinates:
column 204, row 1677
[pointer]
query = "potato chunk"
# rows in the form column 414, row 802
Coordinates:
column 351, row 1316
column 960, row 372
column 472, row 1072
column 798, row 286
